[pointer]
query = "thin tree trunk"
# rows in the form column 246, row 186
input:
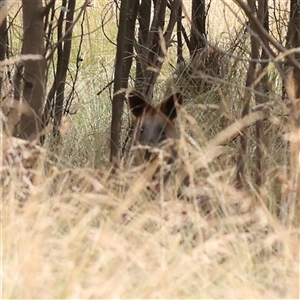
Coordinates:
column 124, row 55
column 180, row 58
column 150, row 51
column 118, row 98
column 30, row 123
column 198, row 26
column 243, row 140
column 56, row 104
column 292, row 87
column 50, row 103
column 129, row 40
column 262, row 87
column 63, row 68
column 3, row 40
column 161, row 45
column 144, row 22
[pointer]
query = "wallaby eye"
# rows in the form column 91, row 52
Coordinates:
column 141, row 129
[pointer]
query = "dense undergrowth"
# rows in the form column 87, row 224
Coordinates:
column 75, row 227
column 82, row 232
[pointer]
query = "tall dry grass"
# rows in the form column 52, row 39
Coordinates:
column 90, row 233
column 73, row 227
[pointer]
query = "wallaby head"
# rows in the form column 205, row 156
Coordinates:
column 154, row 124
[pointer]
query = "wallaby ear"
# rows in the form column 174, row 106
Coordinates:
column 137, row 103
column 168, row 106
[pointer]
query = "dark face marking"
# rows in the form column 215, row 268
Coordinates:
column 154, row 124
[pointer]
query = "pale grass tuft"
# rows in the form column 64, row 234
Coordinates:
column 99, row 233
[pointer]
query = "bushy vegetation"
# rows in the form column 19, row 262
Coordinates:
column 75, row 227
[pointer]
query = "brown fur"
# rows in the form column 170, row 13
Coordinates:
column 154, row 124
